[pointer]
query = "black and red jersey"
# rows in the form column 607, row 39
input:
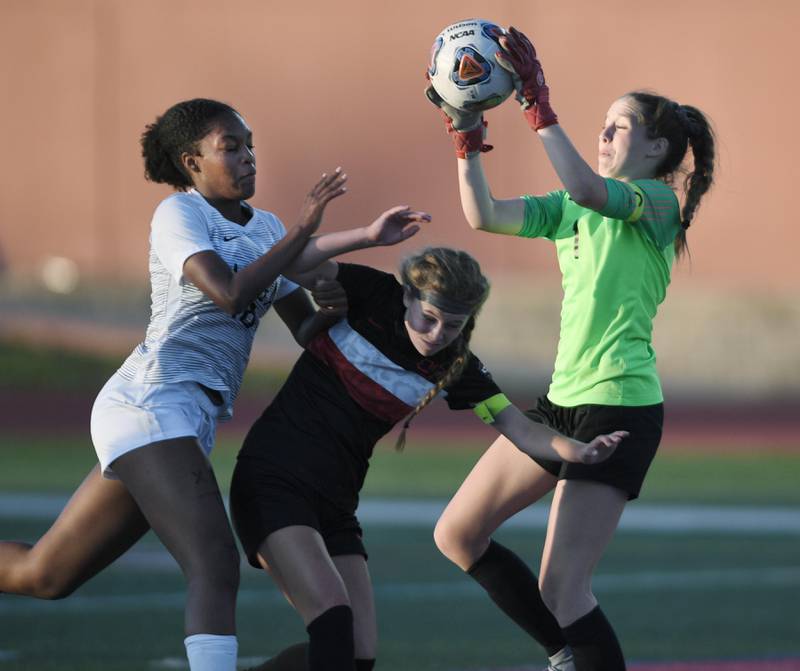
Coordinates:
column 348, row 389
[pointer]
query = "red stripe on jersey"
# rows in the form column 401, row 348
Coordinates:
column 363, row 390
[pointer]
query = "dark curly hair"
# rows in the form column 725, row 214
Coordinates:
column 176, row 131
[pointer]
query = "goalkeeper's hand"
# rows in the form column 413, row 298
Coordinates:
column 518, row 57
column 468, row 129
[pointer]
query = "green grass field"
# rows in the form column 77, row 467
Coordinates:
column 760, row 477
column 677, row 595
column 672, row 594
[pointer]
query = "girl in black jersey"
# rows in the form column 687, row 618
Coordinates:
column 296, row 483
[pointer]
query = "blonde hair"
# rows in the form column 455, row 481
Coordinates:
column 456, row 279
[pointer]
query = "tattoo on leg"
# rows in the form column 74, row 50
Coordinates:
column 204, row 476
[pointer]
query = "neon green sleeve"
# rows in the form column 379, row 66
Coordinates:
column 649, row 203
column 542, row 215
column 625, row 201
column 489, row 409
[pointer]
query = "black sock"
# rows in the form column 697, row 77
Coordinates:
column 515, row 589
column 293, row 658
column 594, row 644
column 330, row 641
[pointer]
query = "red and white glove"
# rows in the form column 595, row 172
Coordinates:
column 468, row 129
column 518, row 56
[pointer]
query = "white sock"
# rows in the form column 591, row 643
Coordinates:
column 211, row 652
column 562, row 660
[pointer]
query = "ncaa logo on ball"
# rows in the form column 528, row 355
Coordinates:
column 462, row 67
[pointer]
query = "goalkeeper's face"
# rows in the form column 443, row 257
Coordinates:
column 624, row 150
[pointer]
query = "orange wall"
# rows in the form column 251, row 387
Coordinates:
column 324, row 84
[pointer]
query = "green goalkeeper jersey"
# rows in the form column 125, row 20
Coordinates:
column 616, row 266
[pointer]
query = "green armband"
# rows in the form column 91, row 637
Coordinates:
column 637, row 213
column 488, row 410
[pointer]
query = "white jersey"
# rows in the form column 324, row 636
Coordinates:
column 189, row 338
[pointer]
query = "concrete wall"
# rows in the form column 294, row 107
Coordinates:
column 324, row 84
column 327, row 84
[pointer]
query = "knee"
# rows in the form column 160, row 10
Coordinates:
column 42, row 582
column 550, row 589
column 314, row 603
column 229, row 567
column 457, row 543
column 447, row 540
column 563, row 594
column 218, row 566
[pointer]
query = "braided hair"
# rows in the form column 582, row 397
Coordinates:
column 683, row 126
column 456, row 277
column 178, row 130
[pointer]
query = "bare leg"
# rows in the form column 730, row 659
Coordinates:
column 503, row 482
column 175, row 488
column 583, row 519
column 98, row 524
column 300, row 563
column 304, row 571
column 355, row 573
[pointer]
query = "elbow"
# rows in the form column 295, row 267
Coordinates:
column 235, row 306
column 478, row 223
column 591, row 195
column 586, row 198
column 232, row 303
column 480, row 220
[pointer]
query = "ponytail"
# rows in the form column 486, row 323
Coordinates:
column 699, row 180
column 684, row 127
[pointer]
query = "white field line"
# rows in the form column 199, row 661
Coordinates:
column 775, row 577
column 182, row 663
column 638, row 517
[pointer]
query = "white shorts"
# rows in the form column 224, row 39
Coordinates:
column 127, row 415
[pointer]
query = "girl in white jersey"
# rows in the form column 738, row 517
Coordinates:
column 616, row 232
column 215, row 267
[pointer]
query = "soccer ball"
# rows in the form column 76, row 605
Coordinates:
column 462, row 67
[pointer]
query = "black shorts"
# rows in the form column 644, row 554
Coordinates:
column 626, row 468
column 263, row 500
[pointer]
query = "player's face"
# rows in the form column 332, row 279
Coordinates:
column 226, row 166
column 429, row 328
column 624, row 150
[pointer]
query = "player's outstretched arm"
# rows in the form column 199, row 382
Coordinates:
column 538, row 440
column 518, row 56
column 390, row 228
column 234, row 291
column 482, row 211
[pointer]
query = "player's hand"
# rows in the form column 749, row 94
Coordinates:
column 330, row 186
column 330, row 297
column 459, row 120
column 396, row 225
column 467, row 128
column 518, row 57
column 599, row 449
